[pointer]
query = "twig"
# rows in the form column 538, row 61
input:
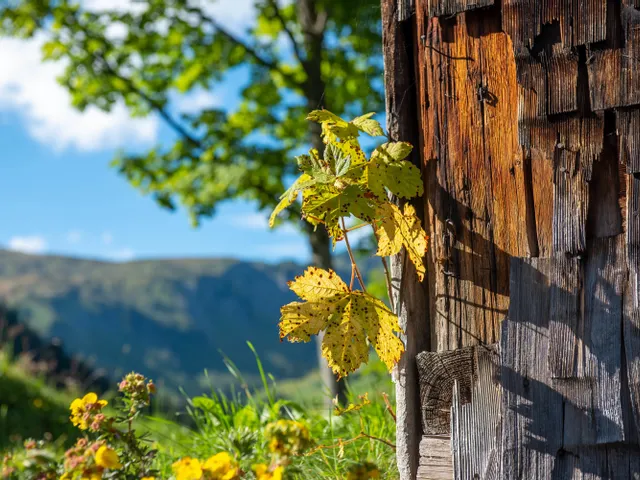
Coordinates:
column 251, row 51
column 389, row 406
column 287, row 30
column 342, row 443
column 354, row 266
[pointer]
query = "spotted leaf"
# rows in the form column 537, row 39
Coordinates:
column 396, row 229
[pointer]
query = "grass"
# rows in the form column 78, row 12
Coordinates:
column 235, row 422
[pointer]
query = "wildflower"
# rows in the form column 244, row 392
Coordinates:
column 187, row 468
column 363, row 471
column 83, row 410
column 107, row 458
column 148, row 478
column 29, row 444
column 288, row 437
column 138, row 390
column 264, row 473
column 222, row 466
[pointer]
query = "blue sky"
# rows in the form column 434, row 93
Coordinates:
column 60, row 196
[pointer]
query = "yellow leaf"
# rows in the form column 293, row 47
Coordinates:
column 388, row 168
column 288, row 197
column 316, row 284
column 367, row 125
column 396, row 230
column 333, row 126
column 344, row 344
column 350, row 319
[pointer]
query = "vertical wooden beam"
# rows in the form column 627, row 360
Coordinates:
column 409, row 293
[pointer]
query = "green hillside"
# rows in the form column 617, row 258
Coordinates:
column 166, row 318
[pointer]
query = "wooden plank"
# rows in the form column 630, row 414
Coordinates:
column 474, row 425
column 531, row 409
column 436, row 8
column 409, row 294
column 435, row 458
column 631, row 330
column 572, row 145
column 614, row 72
column 628, row 128
column 566, row 318
column 526, row 21
column 605, row 276
column 474, row 174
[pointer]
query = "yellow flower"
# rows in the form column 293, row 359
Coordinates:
column 92, row 476
column 83, row 409
column 148, row 478
column 65, row 476
column 187, row 468
column 107, row 458
column 222, row 466
column 263, row 473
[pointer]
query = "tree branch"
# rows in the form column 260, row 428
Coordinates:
column 265, row 62
column 287, row 30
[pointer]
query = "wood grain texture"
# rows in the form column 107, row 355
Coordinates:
column 574, row 23
column 532, row 422
column 435, row 458
column 474, row 172
column 436, row 8
column 474, row 424
column 614, row 72
column 438, row 372
column 628, row 129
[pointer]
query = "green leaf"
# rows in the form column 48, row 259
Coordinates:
column 367, row 125
column 329, row 204
column 288, row 197
column 188, row 77
column 388, row 169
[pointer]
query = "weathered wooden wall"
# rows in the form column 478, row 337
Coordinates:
column 529, row 134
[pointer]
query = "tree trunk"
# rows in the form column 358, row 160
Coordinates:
column 313, row 25
column 524, row 341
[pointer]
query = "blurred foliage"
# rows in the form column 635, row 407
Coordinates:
column 297, row 56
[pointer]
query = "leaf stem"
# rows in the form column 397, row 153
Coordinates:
column 354, row 265
column 355, row 227
column 387, row 273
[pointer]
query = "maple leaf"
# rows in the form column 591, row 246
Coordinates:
column 349, row 318
column 288, row 197
column 327, row 204
column 333, row 126
column 388, row 168
column 366, row 124
column 397, row 229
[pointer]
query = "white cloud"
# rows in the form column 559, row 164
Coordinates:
column 121, row 255
column 28, row 244
column 107, row 238
column 74, row 236
column 29, row 86
column 196, row 101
